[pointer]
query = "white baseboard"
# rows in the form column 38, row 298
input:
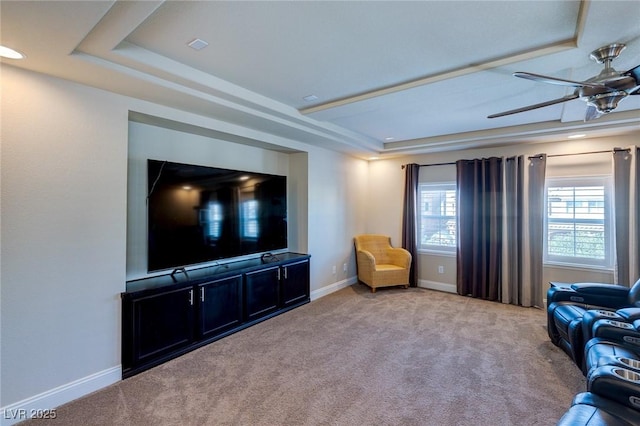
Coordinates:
column 331, row 288
column 45, row 403
column 434, row 285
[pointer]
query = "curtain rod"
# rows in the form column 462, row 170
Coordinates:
column 451, row 163
column 432, row 164
column 582, row 153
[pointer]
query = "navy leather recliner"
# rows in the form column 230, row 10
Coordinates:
column 589, row 409
column 568, row 304
column 598, row 325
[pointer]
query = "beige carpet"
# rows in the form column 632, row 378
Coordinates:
column 396, row 357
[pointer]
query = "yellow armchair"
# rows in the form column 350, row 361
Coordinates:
column 379, row 264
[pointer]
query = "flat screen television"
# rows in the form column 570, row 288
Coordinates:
column 199, row 214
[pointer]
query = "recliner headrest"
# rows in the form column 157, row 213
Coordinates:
column 634, row 294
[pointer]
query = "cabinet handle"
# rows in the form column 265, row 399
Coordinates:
column 285, row 272
column 191, row 297
column 202, row 294
column 278, row 273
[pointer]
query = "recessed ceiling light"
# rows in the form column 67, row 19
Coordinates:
column 581, row 135
column 389, row 138
column 197, row 44
column 310, row 98
column 243, row 178
column 7, row 52
column 374, row 158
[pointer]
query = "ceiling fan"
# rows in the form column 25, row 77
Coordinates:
column 602, row 93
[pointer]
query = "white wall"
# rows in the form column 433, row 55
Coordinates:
column 336, row 191
column 386, row 195
column 64, row 169
column 386, row 181
column 63, row 232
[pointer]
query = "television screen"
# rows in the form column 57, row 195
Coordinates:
column 199, row 214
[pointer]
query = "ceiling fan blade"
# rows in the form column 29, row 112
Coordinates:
column 635, row 73
column 592, row 113
column 535, row 106
column 558, row 81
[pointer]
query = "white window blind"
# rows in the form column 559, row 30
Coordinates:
column 437, row 223
column 578, row 221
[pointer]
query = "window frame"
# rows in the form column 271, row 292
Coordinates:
column 432, row 248
column 608, row 211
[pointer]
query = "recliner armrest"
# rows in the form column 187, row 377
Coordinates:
column 601, row 289
column 611, row 408
column 629, row 314
column 616, row 331
column 616, row 383
column 608, row 296
column 589, row 297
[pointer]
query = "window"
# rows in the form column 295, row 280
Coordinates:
column 437, row 217
column 578, row 221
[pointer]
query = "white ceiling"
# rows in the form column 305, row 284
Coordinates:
column 424, row 73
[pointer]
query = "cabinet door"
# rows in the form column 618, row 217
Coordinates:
column 295, row 283
column 261, row 292
column 162, row 323
column 220, row 305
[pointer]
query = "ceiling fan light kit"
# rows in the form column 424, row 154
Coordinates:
column 602, row 93
column 606, row 102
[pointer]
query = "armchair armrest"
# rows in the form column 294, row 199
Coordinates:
column 399, row 257
column 366, row 257
column 366, row 264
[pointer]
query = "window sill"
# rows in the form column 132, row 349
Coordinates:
column 443, row 253
column 577, row 267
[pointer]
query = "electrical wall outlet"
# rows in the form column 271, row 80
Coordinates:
column 333, row 269
column 440, row 269
column 344, row 267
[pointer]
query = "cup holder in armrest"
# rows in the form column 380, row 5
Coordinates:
column 628, row 375
column 631, row 363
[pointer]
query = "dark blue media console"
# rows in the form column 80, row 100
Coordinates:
column 168, row 315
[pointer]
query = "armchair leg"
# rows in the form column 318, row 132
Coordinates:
column 406, row 286
column 373, row 289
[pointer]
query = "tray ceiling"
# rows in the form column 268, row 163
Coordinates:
column 386, row 76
